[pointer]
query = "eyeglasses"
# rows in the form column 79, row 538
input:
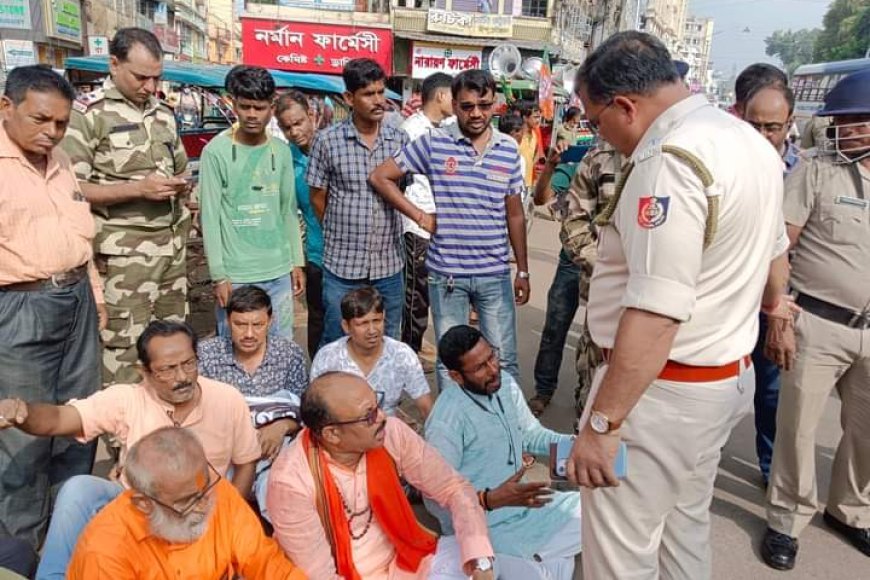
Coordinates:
column 168, row 373
column 182, row 512
column 484, row 107
column 768, row 127
column 369, row 418
column 593, row 123
column 492, row 359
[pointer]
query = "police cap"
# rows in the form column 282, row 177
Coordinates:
column 850, row 96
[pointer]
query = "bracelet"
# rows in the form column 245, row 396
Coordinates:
column 486, row 500
column 480, row 499
column 420, row 217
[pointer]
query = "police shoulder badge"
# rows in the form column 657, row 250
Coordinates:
column 652, row 211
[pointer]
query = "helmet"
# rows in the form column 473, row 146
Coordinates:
column 850, row 97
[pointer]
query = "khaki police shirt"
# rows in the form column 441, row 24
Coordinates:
column 651, row 256
column 110, row 140
column 830, row 200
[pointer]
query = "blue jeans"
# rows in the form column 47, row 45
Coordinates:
column 493, row 297
column 280, row 291
column 392, row 288
column 563, row 299
column 766, row 398
column 80, row 498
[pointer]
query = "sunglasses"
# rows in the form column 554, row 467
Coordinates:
column 190, row 505
column 369, row 418
column 469, row 107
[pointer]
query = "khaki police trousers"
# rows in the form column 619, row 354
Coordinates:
column 828, row 355
column 656, row 524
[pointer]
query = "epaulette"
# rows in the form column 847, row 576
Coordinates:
column 85, row 101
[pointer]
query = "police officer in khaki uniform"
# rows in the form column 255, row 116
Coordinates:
column 129, row 158
column 687, row 250
column 827, row 212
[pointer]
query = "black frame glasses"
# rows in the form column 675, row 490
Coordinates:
column 168, row 373
column 369, row 419
column 485, row 107
column 196, row 500
column 593, row 125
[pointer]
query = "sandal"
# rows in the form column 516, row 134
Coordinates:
column 538, row 403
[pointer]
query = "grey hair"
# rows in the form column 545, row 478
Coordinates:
column 176, row 448
column 627, row 63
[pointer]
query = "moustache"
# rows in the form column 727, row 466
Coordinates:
column 181, row 386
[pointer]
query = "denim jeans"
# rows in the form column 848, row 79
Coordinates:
column 563, row 299
column 493, row 297
column 392, row 288
column 766, row 398
column 280, row 291
column 80, row 498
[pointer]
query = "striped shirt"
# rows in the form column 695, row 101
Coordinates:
column 469, row 190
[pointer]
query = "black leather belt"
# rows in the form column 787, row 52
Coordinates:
column 834, row 313
column 62, row 280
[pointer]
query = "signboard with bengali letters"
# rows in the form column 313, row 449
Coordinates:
column 18, row 53
column 15, row 14
column 470, row 23
column 428, row 58
column 63, row 20
column 308, row 47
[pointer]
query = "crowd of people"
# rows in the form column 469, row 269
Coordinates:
column 236, row 458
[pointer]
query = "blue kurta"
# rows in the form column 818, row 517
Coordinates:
column 478, row 442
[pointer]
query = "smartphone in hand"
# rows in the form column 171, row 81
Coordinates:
column 559, row 453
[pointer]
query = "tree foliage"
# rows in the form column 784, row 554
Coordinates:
column 793, row 48
column 846, row 32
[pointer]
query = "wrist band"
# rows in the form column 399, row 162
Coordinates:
column 486, row 500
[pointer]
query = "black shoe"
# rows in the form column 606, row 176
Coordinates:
column 778, row 550
column 859, row 537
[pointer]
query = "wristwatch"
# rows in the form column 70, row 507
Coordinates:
column 483, row 564
column 601, row 424
column 522, row 275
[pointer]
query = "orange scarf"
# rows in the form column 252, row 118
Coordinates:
column 387, row 499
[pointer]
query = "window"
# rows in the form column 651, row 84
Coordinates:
column 534, row 8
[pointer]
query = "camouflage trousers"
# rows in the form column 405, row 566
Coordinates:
column 138, row 290
column 588, row 359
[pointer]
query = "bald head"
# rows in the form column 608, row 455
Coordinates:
column 327, row 395
column 167, row 454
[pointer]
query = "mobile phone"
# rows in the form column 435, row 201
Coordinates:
column 573, row 154
column 560, row 451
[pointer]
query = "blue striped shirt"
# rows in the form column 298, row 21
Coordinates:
column 471, row 238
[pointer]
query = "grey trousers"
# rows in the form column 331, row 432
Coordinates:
column 49, row 353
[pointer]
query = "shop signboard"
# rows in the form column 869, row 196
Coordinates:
column 309, row 47
column 428, row 58
column 15, row 14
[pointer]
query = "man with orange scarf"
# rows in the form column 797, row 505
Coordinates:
column 337, row 503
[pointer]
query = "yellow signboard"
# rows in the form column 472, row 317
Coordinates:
column 470, row 24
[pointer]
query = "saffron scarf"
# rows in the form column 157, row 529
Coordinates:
column 387, row 500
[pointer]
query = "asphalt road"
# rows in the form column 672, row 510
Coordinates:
column 738, row 504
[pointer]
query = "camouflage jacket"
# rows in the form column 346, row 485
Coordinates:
column 110, row 140
column 592, row 186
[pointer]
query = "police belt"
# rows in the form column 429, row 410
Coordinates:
column 834, row 313
column 682, row 373
column 62, row 280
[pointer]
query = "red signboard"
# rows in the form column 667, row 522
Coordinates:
column 306, row 47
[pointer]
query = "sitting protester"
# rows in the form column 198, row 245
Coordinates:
column 268, row 369
column 481, row 426
column 337, row 502
column 388, row 365
column 171, row 394
column 179, row 519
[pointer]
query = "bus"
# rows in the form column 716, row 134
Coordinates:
column 811, row 83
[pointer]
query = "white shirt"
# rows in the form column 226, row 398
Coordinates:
column 419, row 191
column 651, row 256
column 397, row 370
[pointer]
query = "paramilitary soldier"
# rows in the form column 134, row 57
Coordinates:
column 827, row 214
column 128, row 156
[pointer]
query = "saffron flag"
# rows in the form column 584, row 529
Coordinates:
column 545, row 89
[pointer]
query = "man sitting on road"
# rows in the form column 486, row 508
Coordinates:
column 482, row 429
column 269, row 370
column 171, row 394
column 179, row 518
column 336, row 498
column 389, row 366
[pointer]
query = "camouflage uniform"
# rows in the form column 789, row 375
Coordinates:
column 592, row 186
column 140, row 246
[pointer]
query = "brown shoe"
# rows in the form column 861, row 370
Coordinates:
column 538, row 403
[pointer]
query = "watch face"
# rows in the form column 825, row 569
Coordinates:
column 483, row 564
column 599, row 423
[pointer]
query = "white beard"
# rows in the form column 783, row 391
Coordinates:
column 178, row 531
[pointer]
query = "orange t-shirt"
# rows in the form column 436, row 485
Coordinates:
column 221, row 420
column 118, row 545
